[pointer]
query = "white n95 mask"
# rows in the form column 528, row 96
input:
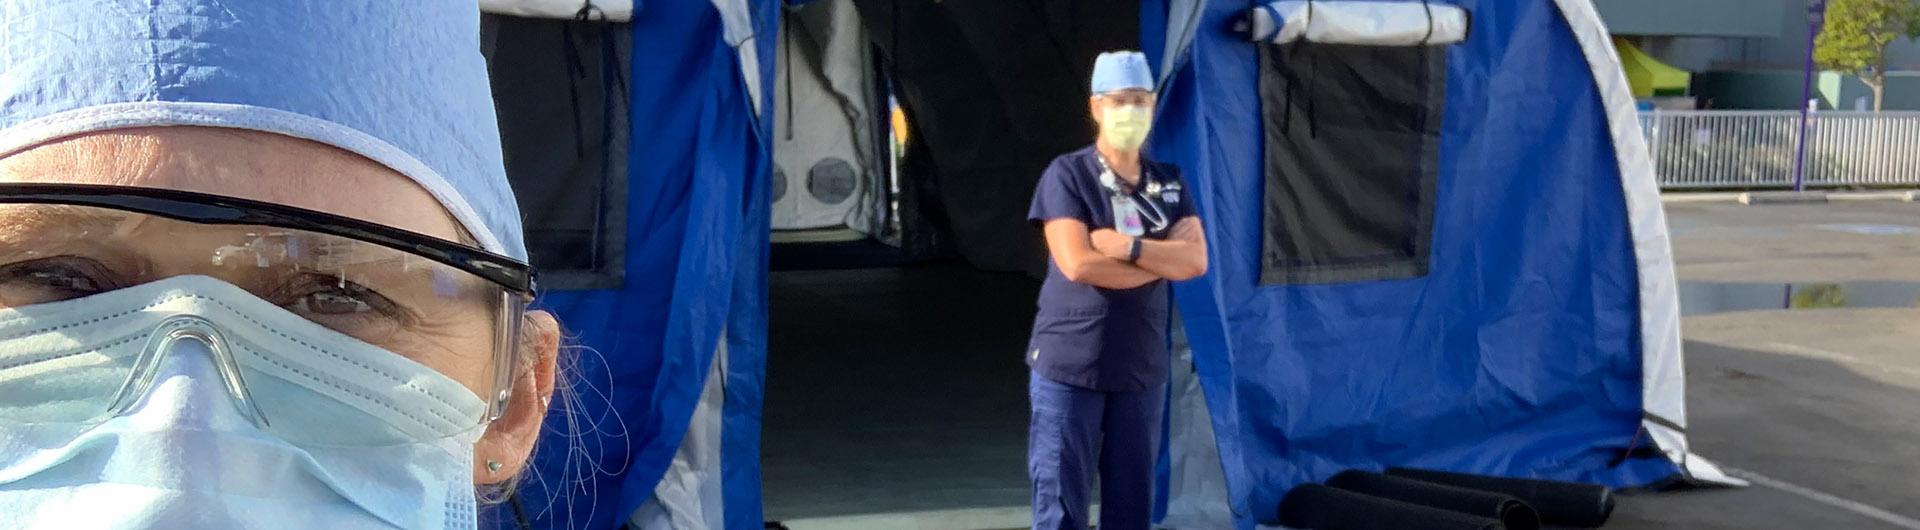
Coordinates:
column 225, row 411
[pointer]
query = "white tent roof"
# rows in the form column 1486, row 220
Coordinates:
column 613, row 10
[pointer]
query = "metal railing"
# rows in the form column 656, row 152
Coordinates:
column 1758, row 149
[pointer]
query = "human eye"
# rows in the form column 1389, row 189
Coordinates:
column 55, row 279
column 340, row 304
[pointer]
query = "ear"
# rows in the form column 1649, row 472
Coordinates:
column 509, row 440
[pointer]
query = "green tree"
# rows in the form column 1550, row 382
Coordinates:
column 1856, row 36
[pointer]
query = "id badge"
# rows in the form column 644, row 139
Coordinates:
column 1126, row 217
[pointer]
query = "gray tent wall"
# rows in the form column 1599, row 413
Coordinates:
column 1195, row 485
column 829, row 167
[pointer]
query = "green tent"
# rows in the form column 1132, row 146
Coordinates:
column 1648, row 76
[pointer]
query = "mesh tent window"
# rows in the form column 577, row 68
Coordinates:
column 1352, row 136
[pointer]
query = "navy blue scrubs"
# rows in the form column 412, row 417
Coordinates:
column 1099, row 357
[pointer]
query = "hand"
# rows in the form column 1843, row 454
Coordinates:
column 1112, row 244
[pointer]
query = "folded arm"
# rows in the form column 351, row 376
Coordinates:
column 1071, row 246
column 1182, row 256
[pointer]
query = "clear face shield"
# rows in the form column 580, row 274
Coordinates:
column 98, row 285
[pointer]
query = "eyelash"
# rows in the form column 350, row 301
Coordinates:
column 65, row 274
column 44, row 271
column 308, row 285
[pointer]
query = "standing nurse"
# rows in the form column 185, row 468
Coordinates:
column 1118, row 227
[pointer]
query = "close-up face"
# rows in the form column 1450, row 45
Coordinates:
column 60, row 253
column 424, row 311
column 260, row 265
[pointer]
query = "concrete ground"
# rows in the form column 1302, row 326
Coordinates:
column 895, row 390
column 1819, row 407
column 1830, row 242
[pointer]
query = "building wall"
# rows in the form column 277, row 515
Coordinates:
column 1706, row 18
column 1846, row 92
column 1790, row 48
column 1745, row 35
column 1693, row 54
column 1780, row 90
column 1774, row 90
column 1749, row 54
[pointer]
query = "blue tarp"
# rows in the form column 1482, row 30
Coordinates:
column 696, row 265
column 1519, row 354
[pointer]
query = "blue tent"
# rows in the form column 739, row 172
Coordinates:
column 1543, row 341
column 1519, row 317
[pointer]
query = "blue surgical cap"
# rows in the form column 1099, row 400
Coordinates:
column 401, row 83
column 1122, row 70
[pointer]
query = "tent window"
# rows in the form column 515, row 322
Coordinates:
column 1352, row 151
column 560, row 90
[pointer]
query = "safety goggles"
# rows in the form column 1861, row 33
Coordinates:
column 1128, row 98
column 97, row 281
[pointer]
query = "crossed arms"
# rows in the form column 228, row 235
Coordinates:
column 1099, row 257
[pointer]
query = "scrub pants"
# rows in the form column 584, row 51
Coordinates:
column 1069, row 426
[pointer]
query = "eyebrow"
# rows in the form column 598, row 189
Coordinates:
column 17, row 223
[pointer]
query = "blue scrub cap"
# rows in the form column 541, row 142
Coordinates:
column 1121, row 70
column 401, row 83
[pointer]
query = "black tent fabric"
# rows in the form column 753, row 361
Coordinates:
column 994, row 90
column 1327, row 508
column 560, row 92
column 1509, row 510
column 1559, row 503
column 1352, row 138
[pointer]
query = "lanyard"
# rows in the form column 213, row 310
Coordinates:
column 1111, row 182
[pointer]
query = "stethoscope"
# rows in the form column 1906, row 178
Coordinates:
column 1153, row 212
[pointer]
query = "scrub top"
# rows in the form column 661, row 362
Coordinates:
column 1112, row 340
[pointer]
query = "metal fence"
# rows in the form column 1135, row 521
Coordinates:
column 1759, row 149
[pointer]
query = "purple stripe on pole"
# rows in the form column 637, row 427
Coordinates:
column 1816, row 13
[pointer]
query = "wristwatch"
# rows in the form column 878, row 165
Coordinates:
column 1133, row 251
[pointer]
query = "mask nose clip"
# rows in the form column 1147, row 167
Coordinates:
column 161, row 343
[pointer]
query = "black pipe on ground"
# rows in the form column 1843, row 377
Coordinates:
column 1559, row 503
column 1327, row 508
column 1509, row 510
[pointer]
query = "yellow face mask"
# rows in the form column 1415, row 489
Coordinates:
column 1125, row 127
